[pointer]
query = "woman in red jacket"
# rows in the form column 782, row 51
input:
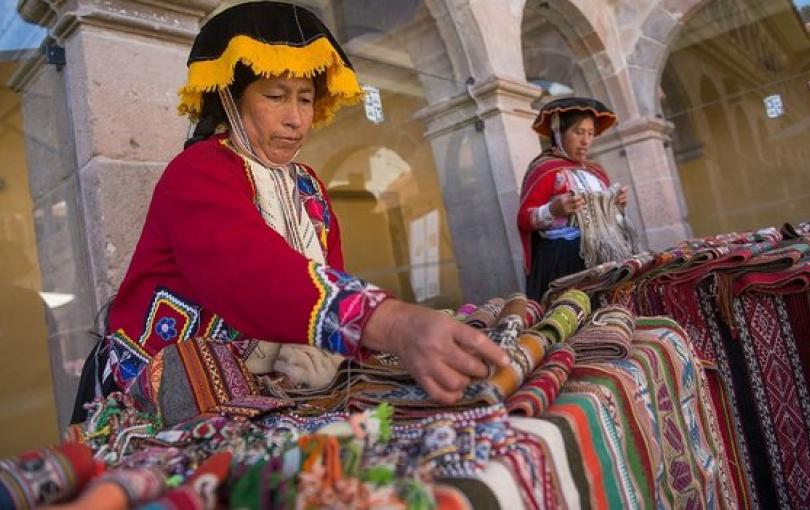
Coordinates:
column 554, row 187
column 241, row 243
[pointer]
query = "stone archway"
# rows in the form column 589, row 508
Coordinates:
column 642, row 141
column 636, row 153
column 646, row 62
column 733, row 55
column 588, row 47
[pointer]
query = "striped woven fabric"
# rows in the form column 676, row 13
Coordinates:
column 634, row 433
column 44, row 476
column 544, row 384
column 200, row 376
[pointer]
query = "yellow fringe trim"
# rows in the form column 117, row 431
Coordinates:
column 323, row 290
column 274, row 60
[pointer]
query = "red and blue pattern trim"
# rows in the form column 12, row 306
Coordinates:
column 169, row 319
column 344, row 305
column 126, row 359
column 218, row 329
column 312, row 196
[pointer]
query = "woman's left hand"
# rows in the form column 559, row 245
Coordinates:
column 623, row 196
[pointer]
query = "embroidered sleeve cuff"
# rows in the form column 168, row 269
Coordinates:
column 344, row 305
column 541, row 216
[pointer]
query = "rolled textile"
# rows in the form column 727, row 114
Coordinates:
column 594, row 278
column 534, row 313
column 606, row 336
column 45, row 476
column 565, row 315
column 525, row 352
column 121, row 489
column 486, row 314
column 528, row 310
column 790, row 231
column 526, row 348
column 516, row 305
column 544, row 384
column 360, row 386
column 464, row 311
column 199, row 491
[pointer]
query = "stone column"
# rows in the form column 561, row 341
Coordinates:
column 482, row 144
column 504, row 106
column 638, row 154
column 116, row 128
column 492, row 121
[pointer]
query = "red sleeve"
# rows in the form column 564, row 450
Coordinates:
column 334, row 255
column 245, row 271
column 537, row 190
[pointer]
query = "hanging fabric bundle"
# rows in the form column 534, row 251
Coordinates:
column 607, row 232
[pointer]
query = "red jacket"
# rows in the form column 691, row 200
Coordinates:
column 206, row 264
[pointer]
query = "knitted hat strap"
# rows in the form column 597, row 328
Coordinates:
column 555, row 128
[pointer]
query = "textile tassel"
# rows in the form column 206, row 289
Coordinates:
column 384, row 416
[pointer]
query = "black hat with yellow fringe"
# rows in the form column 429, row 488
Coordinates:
column 272, row 39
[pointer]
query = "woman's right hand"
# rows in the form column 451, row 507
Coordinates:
column 566, row 204
column 441, row 354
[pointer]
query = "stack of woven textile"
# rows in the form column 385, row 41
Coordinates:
column 596, row 410
column 744, row 299
column 516, row 324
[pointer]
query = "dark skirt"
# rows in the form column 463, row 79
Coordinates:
column 551, row 259
column 92, row 382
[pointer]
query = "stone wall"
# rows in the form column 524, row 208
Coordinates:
column 98, row 133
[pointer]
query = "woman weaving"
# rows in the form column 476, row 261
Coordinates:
column 241, row 243
column 570, row 217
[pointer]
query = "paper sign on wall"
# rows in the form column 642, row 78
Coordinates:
column 773, row 106
column 424, row 251
column 373, row 104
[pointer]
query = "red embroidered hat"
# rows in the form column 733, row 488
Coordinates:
column 604, row 117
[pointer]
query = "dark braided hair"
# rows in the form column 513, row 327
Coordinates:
column 213, row 113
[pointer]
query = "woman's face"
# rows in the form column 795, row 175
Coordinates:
column 578, row 139
column 277, row 115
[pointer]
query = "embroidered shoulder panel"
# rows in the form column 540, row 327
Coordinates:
column 313, row 198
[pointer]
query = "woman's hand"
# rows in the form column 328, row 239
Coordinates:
column 566, row 205
column 623, row 196
column 441, row 354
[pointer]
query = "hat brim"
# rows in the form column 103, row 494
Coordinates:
column 604, row 119
column 266, row 60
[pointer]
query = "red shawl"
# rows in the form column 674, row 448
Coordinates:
column 539, row 187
